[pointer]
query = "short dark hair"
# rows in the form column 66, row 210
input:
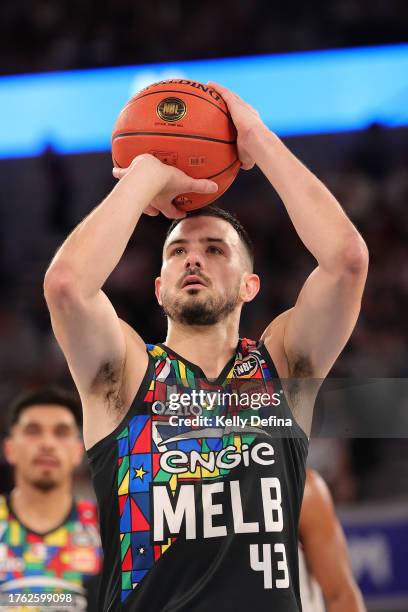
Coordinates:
column 220, row 213
column 44, row 396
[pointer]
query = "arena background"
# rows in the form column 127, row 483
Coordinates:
column 44, row 196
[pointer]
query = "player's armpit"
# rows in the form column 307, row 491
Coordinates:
column 322, row 320
column 114, row 389
column 300, row 394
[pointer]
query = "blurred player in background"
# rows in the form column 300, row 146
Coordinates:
column 178, row 535
column 324, row 565
column 49, row 541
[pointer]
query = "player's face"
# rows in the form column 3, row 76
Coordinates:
column 205, row 274
column 44, row 446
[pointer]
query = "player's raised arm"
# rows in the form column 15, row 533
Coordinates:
column 100, row 348
column 325, row 548
column 315, row 331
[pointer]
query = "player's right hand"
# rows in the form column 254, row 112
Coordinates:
column 171, row 182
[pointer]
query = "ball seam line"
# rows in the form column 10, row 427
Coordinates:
column 123, row 134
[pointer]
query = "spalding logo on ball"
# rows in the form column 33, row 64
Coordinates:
column 184, row 124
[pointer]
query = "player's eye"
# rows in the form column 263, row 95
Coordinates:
column 215, row 250
column 178, row 251
column 32, row 430
column 62, row 431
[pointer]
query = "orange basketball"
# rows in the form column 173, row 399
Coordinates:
column 184, row 124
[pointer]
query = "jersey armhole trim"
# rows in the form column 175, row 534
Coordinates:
column 270, row 363
column 141, row 392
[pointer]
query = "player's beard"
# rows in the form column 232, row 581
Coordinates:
column 45, row 485
column 199, row 311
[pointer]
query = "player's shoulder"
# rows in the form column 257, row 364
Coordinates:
column 272, row 340
column 277, row 326
column 317, row 495
column 131, row 336
column 316, row 485
column 135, row 345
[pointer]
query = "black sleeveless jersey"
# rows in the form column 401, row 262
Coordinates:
column 199, row 490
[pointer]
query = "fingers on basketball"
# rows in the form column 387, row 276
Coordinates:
column 203, row 186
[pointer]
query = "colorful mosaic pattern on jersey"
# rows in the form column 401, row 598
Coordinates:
column 56, row 562
column 147, row 436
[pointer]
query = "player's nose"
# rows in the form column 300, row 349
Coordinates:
column 193, row 259
column 48, row 441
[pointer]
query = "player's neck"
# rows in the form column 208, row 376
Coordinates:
column 209, row 347
column 39, row 510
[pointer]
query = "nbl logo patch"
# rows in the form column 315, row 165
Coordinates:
column 171, row 109
column 246, row 367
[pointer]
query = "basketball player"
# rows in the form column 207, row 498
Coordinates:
column 324, row 565
column 202, row 515
column 49, row 542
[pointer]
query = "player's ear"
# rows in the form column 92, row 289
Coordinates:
column 157, row 289
column 79, row 455
column 8, row 450
column 249, row 287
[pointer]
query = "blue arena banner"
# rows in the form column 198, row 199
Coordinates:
column 378, row 551
column 296, row 93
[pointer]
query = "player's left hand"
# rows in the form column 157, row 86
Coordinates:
column 245, row 119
